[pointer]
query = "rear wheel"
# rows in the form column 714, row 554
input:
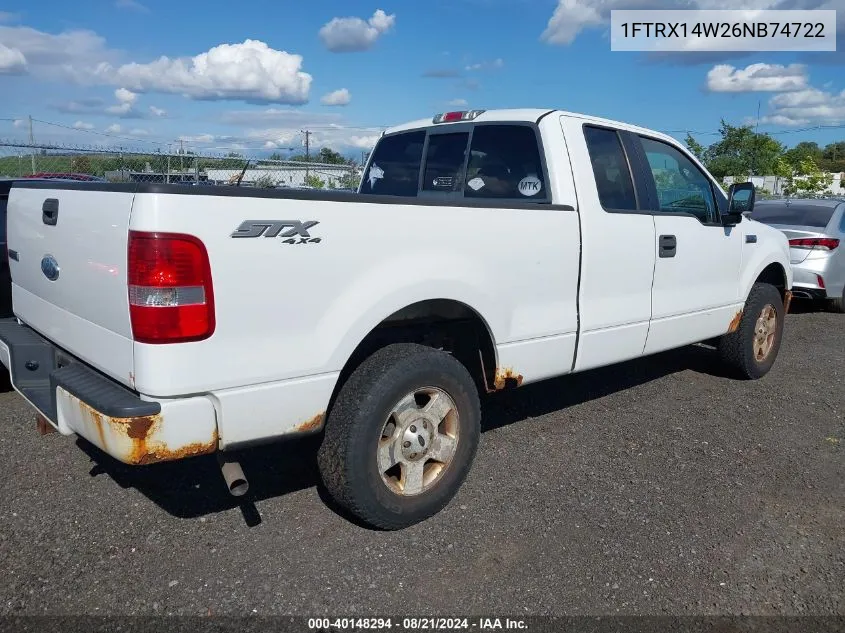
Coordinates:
column 751, row 350
column 401, row 436
column 838, row 305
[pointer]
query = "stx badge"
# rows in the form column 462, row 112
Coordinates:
column 296, row 231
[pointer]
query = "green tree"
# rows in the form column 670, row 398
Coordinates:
column 81, row 164
column 327, row 155
column 266, row 181
column 312, row 180
column 804, row 150
column 694, row 146
column 806, row 179
column 352, row 180
column 742, row 152
column 833, row 157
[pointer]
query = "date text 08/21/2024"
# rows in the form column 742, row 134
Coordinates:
column 416, row 624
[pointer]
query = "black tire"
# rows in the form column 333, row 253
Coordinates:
column 838, row 305
column 347, row 458
column 737, row 348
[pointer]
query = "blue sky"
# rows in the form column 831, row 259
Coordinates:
column 221, row 75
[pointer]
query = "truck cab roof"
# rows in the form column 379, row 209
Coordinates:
column 528, row 115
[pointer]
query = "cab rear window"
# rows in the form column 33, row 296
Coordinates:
column 493, row 161
column 395, row 166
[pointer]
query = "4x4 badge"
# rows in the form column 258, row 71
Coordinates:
column 290, row 229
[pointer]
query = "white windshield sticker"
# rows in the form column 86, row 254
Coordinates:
column 530, row 186
column 475, row 184
column 376, row 173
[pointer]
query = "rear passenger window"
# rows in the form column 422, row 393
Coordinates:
column 395, row 167
column 444, row 162
column 610, row 168
column 504, row 163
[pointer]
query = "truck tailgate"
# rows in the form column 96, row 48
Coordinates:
column 68, row 252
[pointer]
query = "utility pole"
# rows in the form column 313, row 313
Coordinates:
column 181, row 157
column 754, row 152
column 307, row 134
column 32, row 143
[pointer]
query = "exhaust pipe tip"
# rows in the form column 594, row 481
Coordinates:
column 234, row 477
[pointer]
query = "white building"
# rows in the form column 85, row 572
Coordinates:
column 775, row 184
column 282, row 175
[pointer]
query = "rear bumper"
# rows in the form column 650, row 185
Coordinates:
column 77, row 399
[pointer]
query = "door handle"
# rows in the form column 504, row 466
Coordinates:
column 50, row 211
column 668, row 246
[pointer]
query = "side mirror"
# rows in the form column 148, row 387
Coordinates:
column 740, row 203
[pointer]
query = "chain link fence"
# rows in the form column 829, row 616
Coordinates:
column 19, row 160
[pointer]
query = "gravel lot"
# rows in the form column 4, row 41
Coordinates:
column 655, row 487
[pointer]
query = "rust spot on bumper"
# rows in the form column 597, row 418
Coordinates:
column 787, row 300
column 314, row 424
column 506, row 378
column 139, row 434
column 151, row 455
column 734, row 324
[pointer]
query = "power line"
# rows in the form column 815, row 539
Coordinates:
column 123, row 138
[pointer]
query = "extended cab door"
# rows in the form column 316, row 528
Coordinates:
column 695, row 294
column 617, row 258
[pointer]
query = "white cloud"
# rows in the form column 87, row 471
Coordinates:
column 251, row 71
column 157, row 112
column 364, row 142
column 806, row 107
column 114, row 128
column 197, row 138
column 346, row 35
column 778, row 119
column 458, row 103
column 281, row 117
column 125, row 101
column 757, row 78
column 125, row 96
column 337, row 98
column 6, row 17
column 65, row 55
column 19, row 122
column 570, row 18
column 491, row 65
column 139, row 132
column 131, row 5
column 81, row 125
column 12, row 61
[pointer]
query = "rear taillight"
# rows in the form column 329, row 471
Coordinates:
column 171, row 298
column 815, row 243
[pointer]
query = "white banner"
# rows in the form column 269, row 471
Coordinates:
column 693, row 30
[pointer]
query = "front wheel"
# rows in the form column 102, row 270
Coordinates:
column 752, row 348
column 401, row 436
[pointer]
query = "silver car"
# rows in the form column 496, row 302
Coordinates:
column 815, row 229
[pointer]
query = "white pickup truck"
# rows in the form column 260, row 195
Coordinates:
column 484, row 250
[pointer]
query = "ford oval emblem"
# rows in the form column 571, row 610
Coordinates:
column 50, row 267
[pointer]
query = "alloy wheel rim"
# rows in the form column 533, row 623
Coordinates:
column 418, row 441
column 765, row 330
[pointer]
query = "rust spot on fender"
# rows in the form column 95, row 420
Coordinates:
column 506, row 378
column 734, row 324
column 314, row 424
column 140, row 432
column 787, row 300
